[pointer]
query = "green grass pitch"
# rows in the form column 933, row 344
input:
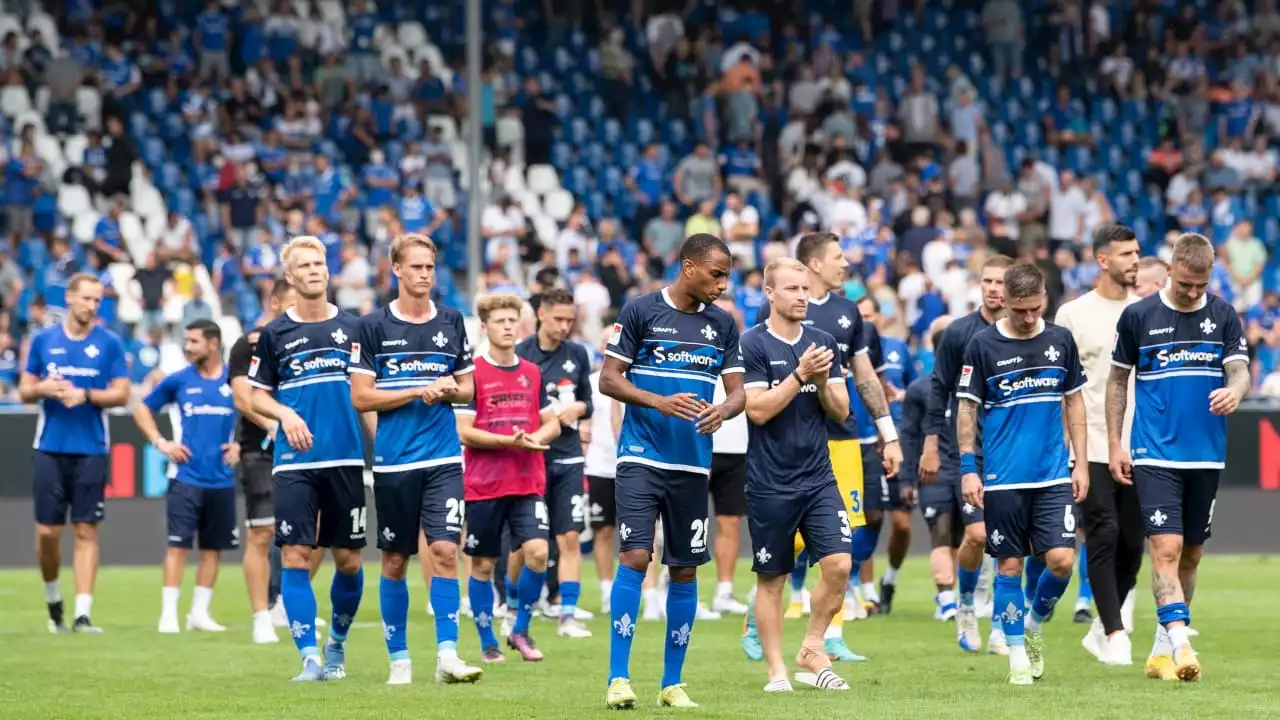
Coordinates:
column 915, row 668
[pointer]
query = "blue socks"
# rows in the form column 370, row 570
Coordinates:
column 1173, row 612
column 682, row 608
column 624, row 604
column 444, row 600
column 300, row 606
column 800, row 570
column 481, row 594
column 393, row 596
column 1084, row 597
column 344, row 597
column 569, row 592
column 529, row 591
column 968, row 584
column 513, row 595
column 1048, row 590
column 1033, row 570
column 863, row 546
column 1008, row 611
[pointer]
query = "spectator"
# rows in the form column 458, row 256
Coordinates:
column 120, row 156
column 1003, row 209
column 178, row 240
column 539, row 120
column 23, row 185
column 242, row 211
column 354, row 293
column 439, row 170
column 645, row 181
column 1037, row 193
column 740, row 89
column 918, row 113
column 740, row 225
column 212, row 40
column 1006, row 36
column 502, row 225
column 593, row 301
column 697, row 177
column 663, row 235
column 614, row 275
column 703, row 221
column 196, row 308
column 381, row 181
column 616, row 68
column 963, row 178
column 1067, row 213
column 153, row 282
column 106, row 234
column 362, row 56
column 1246, row 258
column 966, row 119
column 573, row 238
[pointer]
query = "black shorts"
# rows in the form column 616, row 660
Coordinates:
column 894, row 486
column 729, row 484
column 642, row 493
column 1029, row 521
column 62, row 482
column 258, row 488
column 604, row 513
column 323, row 507
column 946, row 495
column 875, row 486
column 204, row 514
column 774, row 519
column 1177, row 502
column 524, row 515
column 427, row 499
column 566, row 498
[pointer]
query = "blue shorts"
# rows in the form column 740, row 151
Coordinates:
column 1177, row 502
column 524, row 515
column 875, row 487
column 566, row 498
column 774, row 518
column 206, row 514
column 946, row 495
column 322, row 507
column 1029, row 522
column 642, row 493
column 427, row 499
column 62, row 482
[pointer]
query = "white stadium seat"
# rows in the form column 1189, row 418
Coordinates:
column 411, row 35
column 73, row 149
column 89, row 105
column 83, row 225
column 558, row 204
column 546, row 228
column 14, row 101
column 513, row 181
column 543, row 179
column 510, row 131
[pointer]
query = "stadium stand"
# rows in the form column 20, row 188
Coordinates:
column 174, row 150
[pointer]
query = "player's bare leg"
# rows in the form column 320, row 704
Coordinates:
column 602, row 550
column 942, row 565
column 825, row 602
column 727, row 543
column 570, row 546
column 768, row 613
column 257, row 579
column 1172, row 611
column 1059, row 562
column 428, row 572
column 49, row 557
column 654, row 602
column 175, row 562
column 86, row 574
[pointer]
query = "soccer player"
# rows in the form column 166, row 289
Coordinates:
column 201, row 501
column 253, row 436
column 601, row 470
column 728, row 484
column 897, row 372
column 75, row 371
column 1153, row 274
column 566, row 373
column 940, row 490
column 299, row 378
column 1111, row 518
column 505, row 428
column 1018, row 375
column 665, row 354
column 1192, row 365
column 794, row 384
column 413, row 362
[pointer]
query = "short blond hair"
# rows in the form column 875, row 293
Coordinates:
column 1194, row 252
column 302, row 242
column 80, row 278
column 782, row 263
column 493, row 303
column 402, row 243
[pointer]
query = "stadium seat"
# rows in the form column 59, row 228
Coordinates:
column 73, row 200
column 84, row 223
column 558, row 205
column 543, row 179
column 509, row 131
column 14, row 101
column 89, row 105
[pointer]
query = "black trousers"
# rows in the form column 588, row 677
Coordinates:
column 1113, row 529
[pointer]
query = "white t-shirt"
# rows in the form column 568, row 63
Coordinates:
column 934, row 257
column 910, row 290
column 731, row 438
column 1092, row 320
column 847, row 217
column 1007, row 208
column 496, row 220
column 593, row 298
column 729, row 218
column 1065, row 211
column 175, row 237
column 602, row 451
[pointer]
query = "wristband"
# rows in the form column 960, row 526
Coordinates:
column 888, row 432
column 968, row 463
column 796, row 374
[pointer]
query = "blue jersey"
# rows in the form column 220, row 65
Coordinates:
column 566, row 377
column 867, row 433
column 789, row 452
column 401, row 354
column 304, row 365
column 948, row 357
column 838, row 316
column 671, row 352
column 899, row 371
column 911, row 429
column 204, row 419
column 1019, row 385
column 1179, row 359
column 89, row 364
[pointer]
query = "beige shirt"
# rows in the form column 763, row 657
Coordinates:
column 1092, row 321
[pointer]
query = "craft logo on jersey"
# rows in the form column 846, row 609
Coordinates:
column 709, row 332
column 295, row 343
column 338, row 336
column 1052, row 353
column 1208, row 326
column 845, row 322
column 440, row 340
column 395, row 343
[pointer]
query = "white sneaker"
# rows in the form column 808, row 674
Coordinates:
column 1126, row 611
column 168, row 625
column 401, row 672
column 983, row 607
column 1192, row 632
column 430, row 611
column 572, row 628
column 464, row 607
column 264, row 633
column 1095, row 641
column 805, row 598
column 996, row 644
column 859, row 605
column 850, row 607
column 278, row 617
column 706, row 613
column 451, row 669
column 728, row 605
column 203, row 623
column 1119, row 650
column 500, row 611
column 583, row 615
column 508, row 622
column 967, row 634
column 653, row 612
column 321, row 622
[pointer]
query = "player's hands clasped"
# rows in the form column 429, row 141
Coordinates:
column 175, row 451
column 1121, row 466
column 891, row 458
column 439, row 388
column 930, row 464
column 971, row 489
column 1080, row 481
column 526, row 441
column 296, row 432
column 710, row 418
column 815, row 363
column 685, row 406
column 73, row 396
column 1223, row 401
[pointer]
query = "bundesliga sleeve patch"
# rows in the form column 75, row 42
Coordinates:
column 355, row 352
column 616, row 334
column 253, row 366
column 966, row 374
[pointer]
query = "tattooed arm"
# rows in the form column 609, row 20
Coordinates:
column 1226, row 399
column 1117, row 404
column 967, row 426
column 869, row 386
